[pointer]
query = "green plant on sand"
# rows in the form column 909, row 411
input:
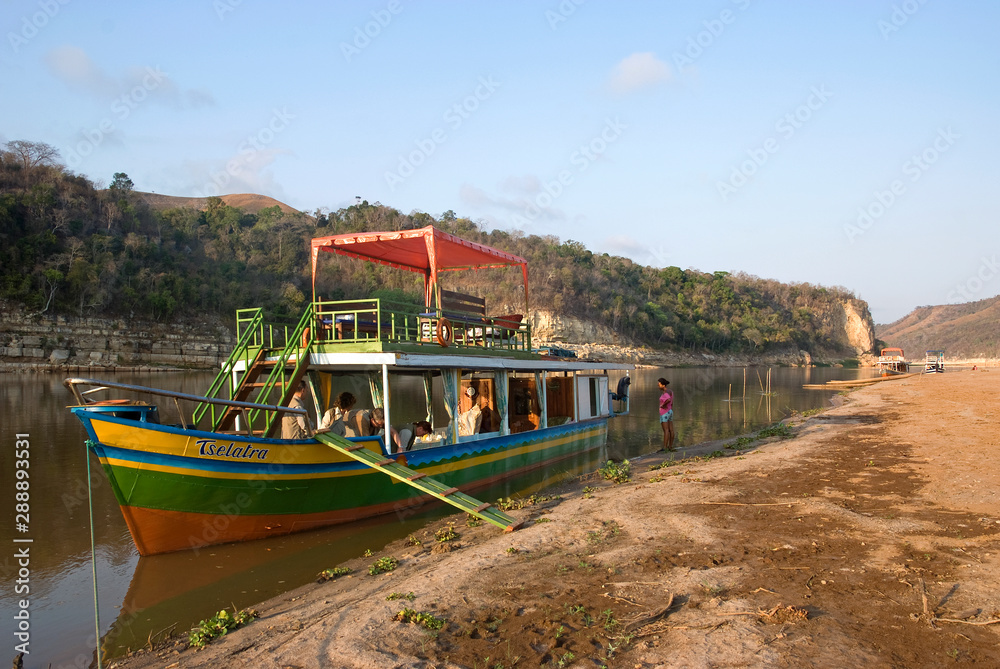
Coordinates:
column 219, row 625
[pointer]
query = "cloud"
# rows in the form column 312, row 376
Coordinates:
column 473, row 196
column 625, row 245
column 526, row 201
column 529, row 185
column 643, row 252
column 640, row 70
column 197, row 97
column 245, row 172
column 72, row 66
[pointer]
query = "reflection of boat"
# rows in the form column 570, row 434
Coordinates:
column 496, row 410
column 934, row 361
column 891, row 361
column 244, row 574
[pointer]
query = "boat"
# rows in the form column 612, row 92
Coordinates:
column 190, row 471
column 933, row 361
column 891, row 361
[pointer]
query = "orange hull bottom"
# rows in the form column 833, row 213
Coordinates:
column 158, row 531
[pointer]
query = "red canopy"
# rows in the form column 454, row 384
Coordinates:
column 426, row 250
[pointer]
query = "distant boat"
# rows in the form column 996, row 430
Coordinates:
column 934, row 361
column 891, row 361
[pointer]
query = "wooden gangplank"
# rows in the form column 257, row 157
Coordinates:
column 421, row 482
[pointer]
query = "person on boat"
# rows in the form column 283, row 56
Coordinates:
column 666, row 414
column 404, row 437
column 364, row 422
column 333, row 419
column 376, row 421
column 470, row 420
column 490, row 417
column 296, row 425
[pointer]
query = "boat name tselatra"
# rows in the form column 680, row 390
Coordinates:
column 209, row 447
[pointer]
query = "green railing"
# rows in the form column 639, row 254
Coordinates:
column 298, row 344
column 252, row 321
column 354, row 321
column 255, row 339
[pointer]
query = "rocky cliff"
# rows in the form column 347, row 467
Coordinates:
column 93, row 343
column 853, row 327
column 557, row 328
column 847, row 327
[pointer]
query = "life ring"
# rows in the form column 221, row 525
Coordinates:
column 444, row 332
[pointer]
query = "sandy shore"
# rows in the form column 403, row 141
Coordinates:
column 871, row 538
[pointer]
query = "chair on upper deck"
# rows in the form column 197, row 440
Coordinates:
column 497, row 329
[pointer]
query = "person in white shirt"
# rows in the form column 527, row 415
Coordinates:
column 469, row 421
column 333, row 419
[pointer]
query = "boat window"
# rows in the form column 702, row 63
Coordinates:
column 559, row 399
column 332, row 389
column 477, row 404
column 523, row 409
column 592, row 396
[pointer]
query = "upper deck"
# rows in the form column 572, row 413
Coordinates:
column 379, row 326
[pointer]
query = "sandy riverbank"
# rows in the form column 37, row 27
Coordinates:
column 870, row 538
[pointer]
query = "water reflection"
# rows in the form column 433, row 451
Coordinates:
column 713, row 403
column 153, row 595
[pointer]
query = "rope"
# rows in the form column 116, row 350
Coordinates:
column 93, row 558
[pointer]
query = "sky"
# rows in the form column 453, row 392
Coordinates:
column 850, row 143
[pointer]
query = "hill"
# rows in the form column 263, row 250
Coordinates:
column 963, row 330
column 69, row 249
column 249, row 202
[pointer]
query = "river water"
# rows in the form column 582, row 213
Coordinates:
column 140, row 597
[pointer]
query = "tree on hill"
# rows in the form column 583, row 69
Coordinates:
column 66, row 247
column 32, row 154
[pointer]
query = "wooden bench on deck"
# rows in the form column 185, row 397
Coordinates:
column 461, row 310
column 462, row 307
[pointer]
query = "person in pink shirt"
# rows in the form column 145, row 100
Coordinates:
column 667, row 414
